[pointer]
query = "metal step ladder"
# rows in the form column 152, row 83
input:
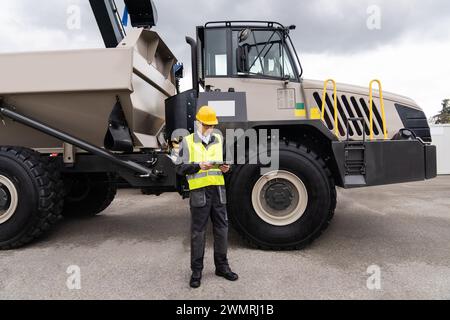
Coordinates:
column 355, row 151
column 355, row 158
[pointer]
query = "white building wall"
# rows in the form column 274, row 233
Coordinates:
column 441, row 138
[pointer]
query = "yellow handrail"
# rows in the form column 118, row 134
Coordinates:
column 336, row 129
column 371, row 108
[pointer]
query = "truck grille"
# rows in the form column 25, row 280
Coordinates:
column 350, row 107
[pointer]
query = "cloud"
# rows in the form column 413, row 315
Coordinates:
column 42, row 25
column 323, row 25
column 331, row 36
column 423, row 80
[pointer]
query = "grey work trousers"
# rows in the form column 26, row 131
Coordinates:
column 209, row 202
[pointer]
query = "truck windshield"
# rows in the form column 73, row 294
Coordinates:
column 265, row 53
column 261, row 53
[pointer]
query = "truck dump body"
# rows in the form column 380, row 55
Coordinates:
column 76, row 91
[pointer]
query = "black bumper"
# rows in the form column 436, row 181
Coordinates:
column 389, row 162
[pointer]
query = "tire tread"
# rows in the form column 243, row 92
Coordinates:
column 50, row 194
column 315, row 157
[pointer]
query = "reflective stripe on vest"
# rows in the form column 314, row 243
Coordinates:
column 197, row 154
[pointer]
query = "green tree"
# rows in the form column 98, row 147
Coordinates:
column 444, row 115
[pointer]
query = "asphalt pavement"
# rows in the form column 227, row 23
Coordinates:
column 388, row 242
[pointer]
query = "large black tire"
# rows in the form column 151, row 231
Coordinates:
column 88, row 194
column 317, row 179
column 34, row 185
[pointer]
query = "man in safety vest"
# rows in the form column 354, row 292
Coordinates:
column 201, row 154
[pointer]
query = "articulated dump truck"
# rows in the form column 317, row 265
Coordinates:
column 79, row 124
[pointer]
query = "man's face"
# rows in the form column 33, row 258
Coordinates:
column 206, row 129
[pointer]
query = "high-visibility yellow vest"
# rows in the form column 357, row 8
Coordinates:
column 197, row 154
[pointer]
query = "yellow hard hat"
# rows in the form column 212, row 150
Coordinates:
column 208, row 116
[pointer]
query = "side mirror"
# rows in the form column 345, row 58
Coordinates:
column 178, row 70
column 242, row 64
column 244, row 34
column 242, row 59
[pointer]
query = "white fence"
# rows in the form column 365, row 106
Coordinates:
column 441, row 138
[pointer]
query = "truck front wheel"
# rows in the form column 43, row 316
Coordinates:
column 88, row 194
column 31, row 197
column 286, row 208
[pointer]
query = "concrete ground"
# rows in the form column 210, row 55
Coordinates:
column 139, row 249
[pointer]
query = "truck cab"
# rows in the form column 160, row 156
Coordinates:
column 253, row 57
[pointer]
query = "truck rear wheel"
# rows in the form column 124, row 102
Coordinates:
column 286, row 208
column 31, row 197
column 88, row 194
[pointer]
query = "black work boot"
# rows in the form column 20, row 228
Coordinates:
column 196, row 279
column 227, row 274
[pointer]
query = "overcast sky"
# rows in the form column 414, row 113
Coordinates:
column 408, row 47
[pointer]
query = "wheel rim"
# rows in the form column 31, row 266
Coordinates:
column 8, row 199
column 280, row 198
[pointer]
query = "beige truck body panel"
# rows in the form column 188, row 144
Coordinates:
column 267, row 101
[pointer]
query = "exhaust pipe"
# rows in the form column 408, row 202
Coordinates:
column 194, row 63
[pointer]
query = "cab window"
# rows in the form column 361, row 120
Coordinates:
column 216, row 58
